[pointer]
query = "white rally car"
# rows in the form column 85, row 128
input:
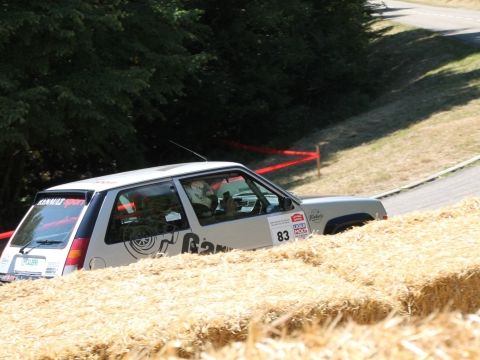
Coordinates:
column 203, row 207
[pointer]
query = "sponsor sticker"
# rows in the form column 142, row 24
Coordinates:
column 298, row 217
column 73, row 202
column 300, row 230
column 61, row 202
column 8, row 278
column 51, row 201
column 315, row 216
column 284, row 228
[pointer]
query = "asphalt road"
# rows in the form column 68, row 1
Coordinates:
column 437, row 193
column 458, row 23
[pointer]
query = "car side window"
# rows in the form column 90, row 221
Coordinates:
column 144, row 212
column 228, row 196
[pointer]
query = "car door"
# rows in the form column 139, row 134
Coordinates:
column 233, row 209
column 137, row 222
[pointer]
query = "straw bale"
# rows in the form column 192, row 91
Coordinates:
column 148, row 305
column 439, row 336
column 424, row 261
column 412, row 265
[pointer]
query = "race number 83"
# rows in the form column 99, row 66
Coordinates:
column 283, row 236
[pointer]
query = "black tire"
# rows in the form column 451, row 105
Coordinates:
column 343, row 223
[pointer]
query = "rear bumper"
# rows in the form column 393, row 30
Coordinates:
column 8, row 278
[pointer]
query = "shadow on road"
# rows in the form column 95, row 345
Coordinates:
column 389, row 13
column 472, row 38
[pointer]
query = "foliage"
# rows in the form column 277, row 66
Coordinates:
column 272, row 64
column 88, row 87
column 74, row 75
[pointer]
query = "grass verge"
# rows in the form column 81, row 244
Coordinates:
column 426, row 120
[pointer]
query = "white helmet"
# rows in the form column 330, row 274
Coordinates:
column 200, row 192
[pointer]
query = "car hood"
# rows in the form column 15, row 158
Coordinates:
column 319, row 209
column 305, row 197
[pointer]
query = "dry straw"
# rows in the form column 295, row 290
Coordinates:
column 412, row 265
column 440, row 336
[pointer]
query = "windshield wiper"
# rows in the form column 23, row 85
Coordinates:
column 48, row 242
column 39, row 242
column 22, row 249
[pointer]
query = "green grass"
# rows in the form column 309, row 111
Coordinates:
column 425, row 120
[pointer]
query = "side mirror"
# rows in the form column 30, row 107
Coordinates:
column 286, row 203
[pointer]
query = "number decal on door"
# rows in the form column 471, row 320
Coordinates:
column 283, row 236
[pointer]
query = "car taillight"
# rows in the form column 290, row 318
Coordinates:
column 76, row 255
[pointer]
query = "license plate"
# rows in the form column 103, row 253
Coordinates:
column 29, row 264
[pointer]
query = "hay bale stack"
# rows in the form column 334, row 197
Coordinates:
column 424, row 261
column 412, row 265
column 441, row 336
column 187, row 300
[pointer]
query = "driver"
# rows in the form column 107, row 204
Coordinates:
column 205, row 200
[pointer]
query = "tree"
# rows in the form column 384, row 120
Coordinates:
column 73, row 77
column 271, row 65
column 88, row 87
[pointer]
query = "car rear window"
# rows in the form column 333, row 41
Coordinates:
column 50, row 222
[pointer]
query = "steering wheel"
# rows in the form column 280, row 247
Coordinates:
column 202, row 211
column 257, row 208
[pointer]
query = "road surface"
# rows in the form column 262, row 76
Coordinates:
column 458, row 23
column 437, row 193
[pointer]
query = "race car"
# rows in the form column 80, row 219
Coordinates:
column 200, row 207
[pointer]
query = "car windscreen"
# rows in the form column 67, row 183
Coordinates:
column 49, row 223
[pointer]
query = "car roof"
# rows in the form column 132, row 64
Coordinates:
column 112, row 181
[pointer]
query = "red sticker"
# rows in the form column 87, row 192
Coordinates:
column 73, row 202
column 297, row 217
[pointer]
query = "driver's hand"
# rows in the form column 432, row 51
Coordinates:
column 230, row 206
